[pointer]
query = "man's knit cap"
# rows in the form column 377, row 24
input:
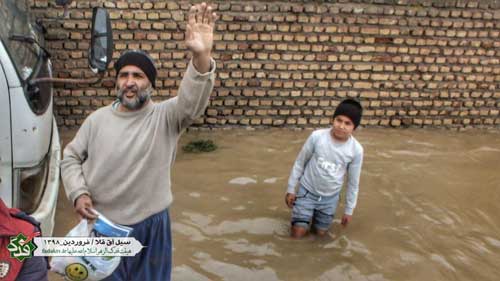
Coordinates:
column 140, row 59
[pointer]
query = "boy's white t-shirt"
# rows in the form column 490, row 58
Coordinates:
column 323, row 163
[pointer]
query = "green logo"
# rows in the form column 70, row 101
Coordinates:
column 20, row 247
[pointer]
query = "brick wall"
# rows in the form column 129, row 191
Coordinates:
column 289, row 63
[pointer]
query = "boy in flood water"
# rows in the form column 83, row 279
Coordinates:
column 318, row 174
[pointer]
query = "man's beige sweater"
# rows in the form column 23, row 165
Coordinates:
column 123, row 159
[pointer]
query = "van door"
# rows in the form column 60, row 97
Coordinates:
column 5, row 140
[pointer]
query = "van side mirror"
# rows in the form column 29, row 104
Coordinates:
column 100, row 53
column 101, row 42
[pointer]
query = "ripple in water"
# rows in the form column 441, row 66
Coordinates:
column 193, row 233
column 420, row 143
column 195, row 194
column 242, row 181
column 230, row 272
column 410, row 153
column 484, row 149
column 441, row 260
column 243, row 246
column 271, row 180
column 348, row 246
column 409, row 258
column 262, row 226
column 186, row 273
column 493, row 242
column 198, row 219
column 348, row 272
column 239, row 208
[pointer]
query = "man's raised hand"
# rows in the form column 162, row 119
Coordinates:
column 200, row 29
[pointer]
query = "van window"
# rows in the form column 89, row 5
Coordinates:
column 26, row 56
column 16, row 21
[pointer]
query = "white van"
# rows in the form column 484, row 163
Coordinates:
column 30, row 150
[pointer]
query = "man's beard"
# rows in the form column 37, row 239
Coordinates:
column 140, row 98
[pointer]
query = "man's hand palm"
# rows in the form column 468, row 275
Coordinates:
column 200, row 28
column 202, row 38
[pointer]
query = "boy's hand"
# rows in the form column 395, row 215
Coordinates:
column 346, row 219
column 83, row 205
column 290, row 199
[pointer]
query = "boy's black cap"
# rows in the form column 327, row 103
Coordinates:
column 350, row 108
column 140, row 59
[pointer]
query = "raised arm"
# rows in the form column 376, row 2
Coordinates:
column 198, row 81
column 200, row 35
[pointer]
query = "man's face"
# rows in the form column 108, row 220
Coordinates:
column 342, row 127
column 133, row 87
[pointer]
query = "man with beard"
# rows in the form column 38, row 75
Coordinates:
column 119, row 161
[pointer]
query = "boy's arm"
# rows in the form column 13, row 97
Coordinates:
column 300, row 164
column 354, row 173
column 74, row 155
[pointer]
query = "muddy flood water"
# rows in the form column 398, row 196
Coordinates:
column 428, row 209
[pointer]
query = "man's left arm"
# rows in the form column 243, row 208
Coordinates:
column 198, row 81
column 353, row 176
